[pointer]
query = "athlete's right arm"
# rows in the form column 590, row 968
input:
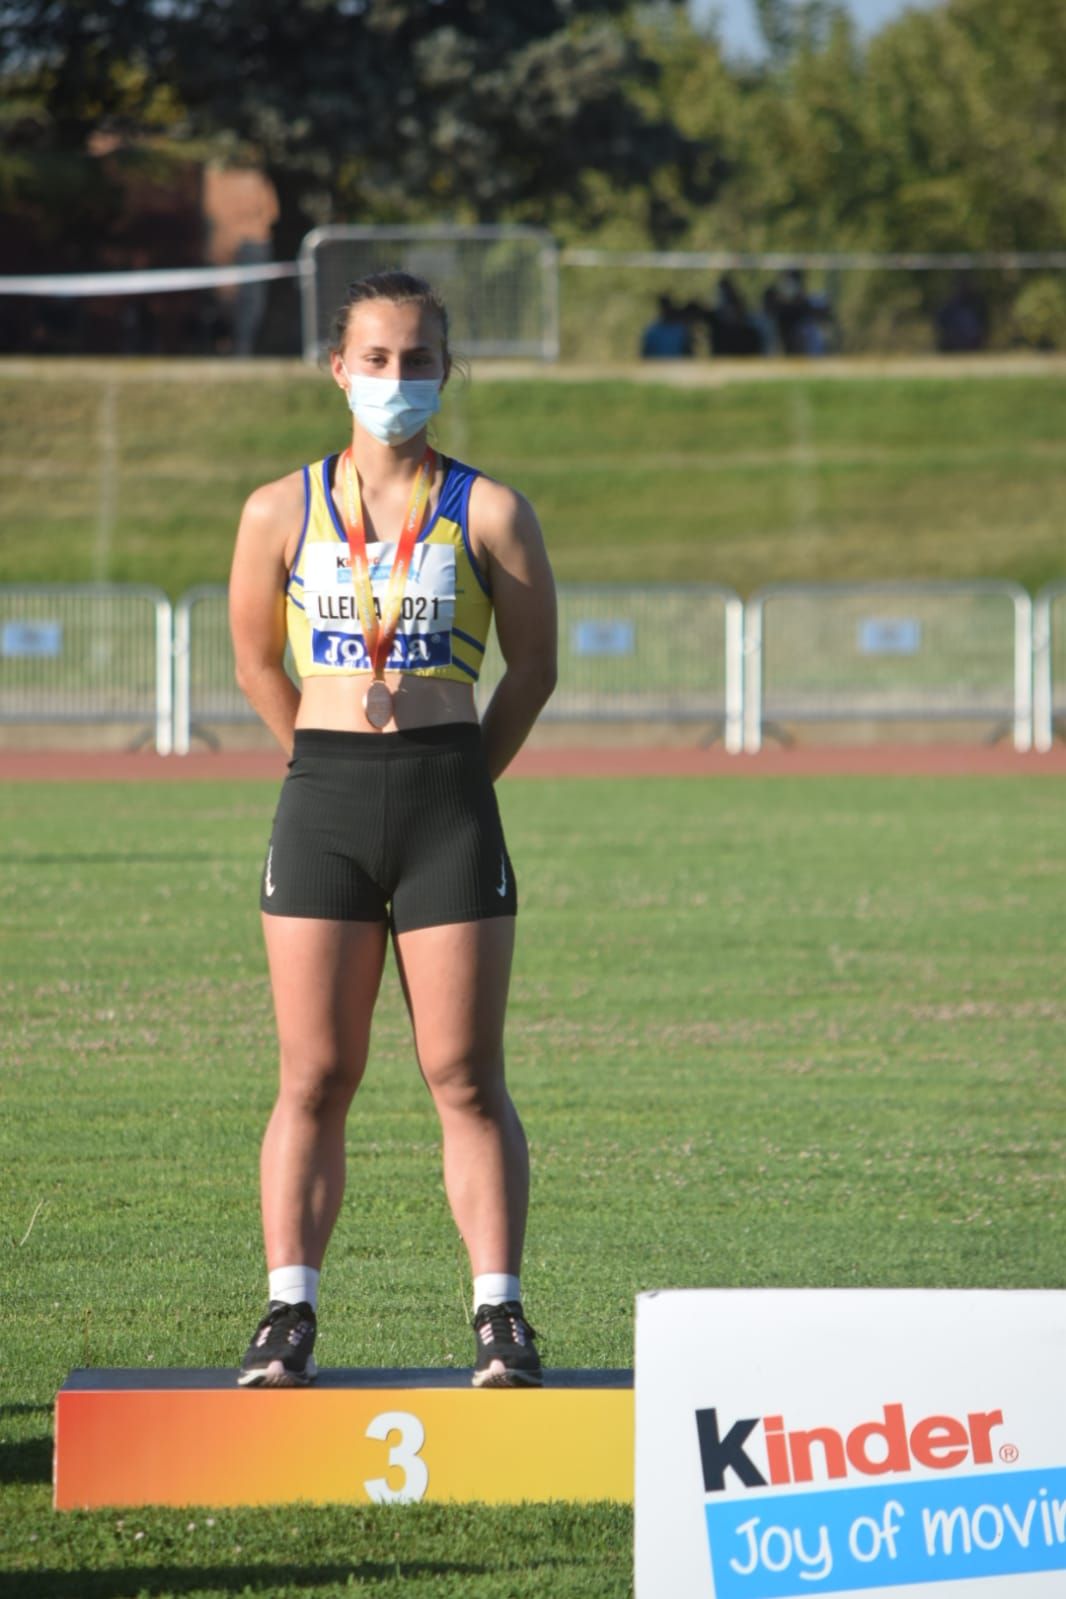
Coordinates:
column 266, row 540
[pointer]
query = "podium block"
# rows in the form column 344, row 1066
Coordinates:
column 189, row 1437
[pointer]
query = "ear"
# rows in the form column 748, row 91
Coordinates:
column 336, row 366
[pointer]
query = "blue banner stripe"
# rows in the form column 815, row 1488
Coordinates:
column 999, row 1524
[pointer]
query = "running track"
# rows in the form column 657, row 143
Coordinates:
column 875, row 760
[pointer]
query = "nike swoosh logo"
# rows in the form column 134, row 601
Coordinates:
column 501, row 886
column 269, row 884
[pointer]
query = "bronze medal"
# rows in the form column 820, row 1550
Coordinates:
column 377, row 703
column 379, row 633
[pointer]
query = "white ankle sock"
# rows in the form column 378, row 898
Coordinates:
column 295, row 1285
column 495, row 1288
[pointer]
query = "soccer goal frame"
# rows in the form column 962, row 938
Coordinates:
column 501, row 284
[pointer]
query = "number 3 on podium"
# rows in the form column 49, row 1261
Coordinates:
column 404, row 1454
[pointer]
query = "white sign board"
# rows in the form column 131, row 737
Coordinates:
column 807, row 1441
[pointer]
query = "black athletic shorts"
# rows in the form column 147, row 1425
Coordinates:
column 389, row 827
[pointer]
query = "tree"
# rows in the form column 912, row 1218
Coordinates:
column 967, row 108
column 791, row 25
column 70, row 86
column 945, row 132
column 383, row 109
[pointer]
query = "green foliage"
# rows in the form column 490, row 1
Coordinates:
column 788, row 26
column 1039, row 313
column 392, row 109
column 966, row 103
column 947, row 132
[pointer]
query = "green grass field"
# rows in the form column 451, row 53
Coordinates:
column 763, row 1032
column 136, row 472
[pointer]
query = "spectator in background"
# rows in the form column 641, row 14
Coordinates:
column 240, row 206
column 962, row 321
column 670, row 334
column 802, row 320
column 733, row 330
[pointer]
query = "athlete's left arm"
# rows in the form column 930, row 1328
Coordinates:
column 508, row 542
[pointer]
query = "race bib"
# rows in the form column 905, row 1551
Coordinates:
column 424, row 635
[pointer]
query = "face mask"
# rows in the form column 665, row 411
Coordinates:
column 393, row 410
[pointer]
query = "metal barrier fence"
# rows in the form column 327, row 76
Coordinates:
column 889, row 651
column 1049, row 664
column 625, row 654
column 640, row 654
column 795, row 654
column 87, row 653
column 205, row 686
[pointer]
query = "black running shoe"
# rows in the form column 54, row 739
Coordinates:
column 506, row 1355
column 279, row 1355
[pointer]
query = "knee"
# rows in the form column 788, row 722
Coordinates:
column 467, row 1088
column 318, row 1087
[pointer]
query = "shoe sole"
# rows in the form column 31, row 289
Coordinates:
column 276, row 1375
column 504, row 1377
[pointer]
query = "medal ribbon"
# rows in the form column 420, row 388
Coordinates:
column 379, row 635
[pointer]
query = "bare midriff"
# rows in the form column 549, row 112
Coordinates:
column 336, row 703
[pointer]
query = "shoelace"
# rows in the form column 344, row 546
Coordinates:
column 503, row 1322
column 277, row 1313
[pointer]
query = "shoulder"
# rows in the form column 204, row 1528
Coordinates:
column 499, row 512
column 273, row 516
column 276, row 500
column 506, row 540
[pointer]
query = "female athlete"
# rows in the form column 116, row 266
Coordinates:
column 382, row 567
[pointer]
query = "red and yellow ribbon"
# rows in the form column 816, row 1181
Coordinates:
column 379, row 634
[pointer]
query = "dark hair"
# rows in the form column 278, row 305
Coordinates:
column 399, row 288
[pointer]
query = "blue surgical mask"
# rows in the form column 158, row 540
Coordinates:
column 392, row 409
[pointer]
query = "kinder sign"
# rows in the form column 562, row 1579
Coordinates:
column 796, row 1442
column 870, row 1450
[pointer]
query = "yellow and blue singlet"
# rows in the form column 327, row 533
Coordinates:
column 447, row 604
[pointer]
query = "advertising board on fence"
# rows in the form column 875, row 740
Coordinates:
column 796, row 1442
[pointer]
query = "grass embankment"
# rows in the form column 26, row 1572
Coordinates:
column 137, row 473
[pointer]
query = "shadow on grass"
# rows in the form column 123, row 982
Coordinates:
column 28, row 1461
column 253, row 1579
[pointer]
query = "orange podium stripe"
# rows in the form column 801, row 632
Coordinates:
column 132, row 1438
